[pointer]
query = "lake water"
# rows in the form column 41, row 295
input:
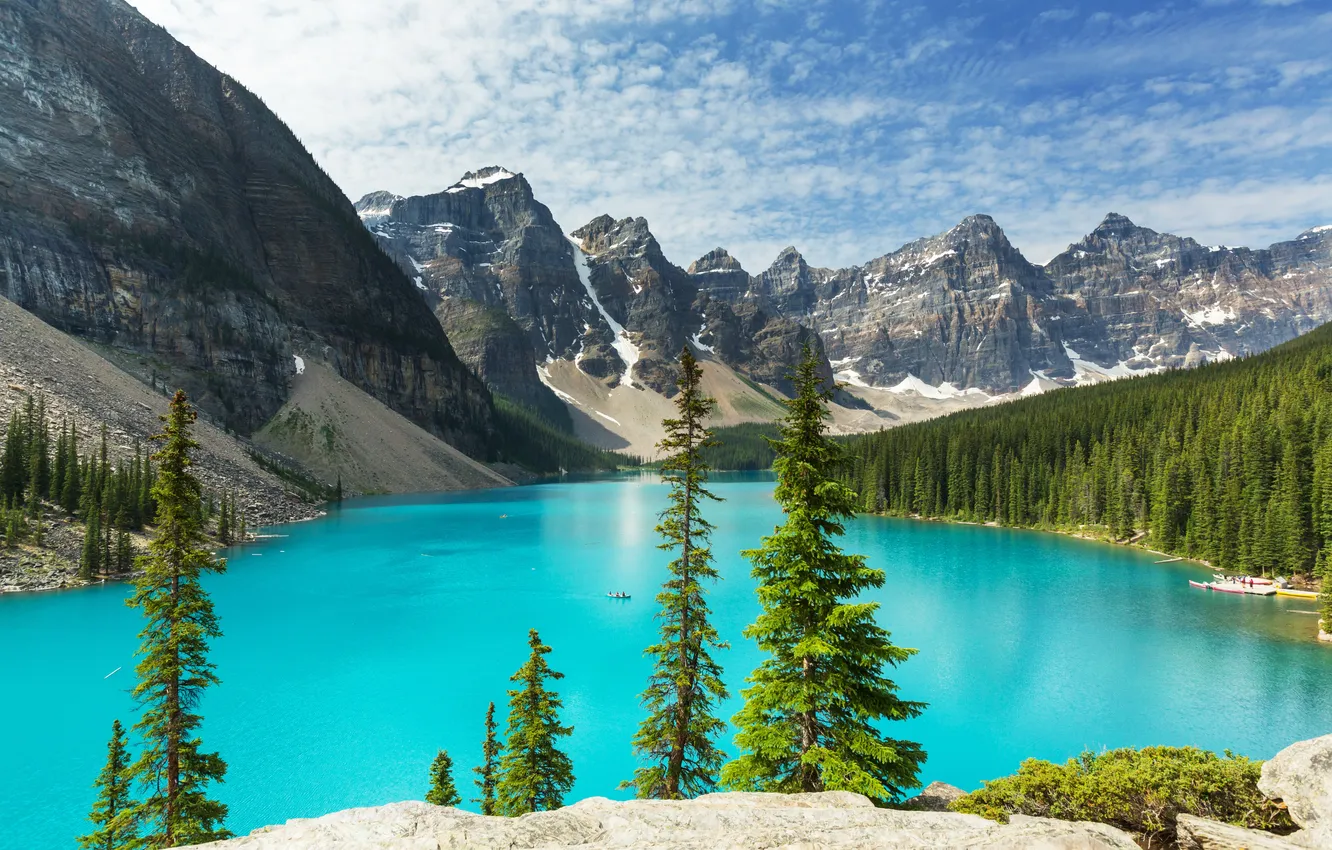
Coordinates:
column 358, row 645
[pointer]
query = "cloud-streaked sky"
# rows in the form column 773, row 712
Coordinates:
column 844, row 128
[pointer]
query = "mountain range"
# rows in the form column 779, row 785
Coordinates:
column 153, row 207
column 960, row 316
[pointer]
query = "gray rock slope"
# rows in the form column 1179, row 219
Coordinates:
column 150, row 202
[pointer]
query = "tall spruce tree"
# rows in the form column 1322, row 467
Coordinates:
column 442, row 791
column 534, row 773
column 809, row 713
column 174, row 668
column 113, row 812
column 487, row 774
column 676, row 740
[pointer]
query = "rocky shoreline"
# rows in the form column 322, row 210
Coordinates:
column 1300, row 777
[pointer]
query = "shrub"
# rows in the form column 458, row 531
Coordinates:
column 1138, row 791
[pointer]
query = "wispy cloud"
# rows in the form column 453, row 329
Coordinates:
column 844, row 128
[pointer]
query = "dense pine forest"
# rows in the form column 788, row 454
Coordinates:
column 742, row 447
column 532, row 441
column 1231, row 463
column 47, row 477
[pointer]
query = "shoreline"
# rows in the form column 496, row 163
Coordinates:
column 1172, row 558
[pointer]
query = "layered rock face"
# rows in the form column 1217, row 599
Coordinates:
column 605, row 296
column 966, row 309
column 151, row 203
column 736, row 821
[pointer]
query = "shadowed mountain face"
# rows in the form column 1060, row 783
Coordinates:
column 151, row 203
column 966, row 308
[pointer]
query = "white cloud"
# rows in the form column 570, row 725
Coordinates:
column 754, row 125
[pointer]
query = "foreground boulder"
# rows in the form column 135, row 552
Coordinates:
column 1301, row 777
column 738, row 821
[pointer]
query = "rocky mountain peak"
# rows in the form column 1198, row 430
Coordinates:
column 604, row 234
column 483, row 177
column 787, row 258
column 376, row 207
column 716, row 260
column 1114, row 227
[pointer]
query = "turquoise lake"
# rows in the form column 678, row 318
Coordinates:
column 358, row 645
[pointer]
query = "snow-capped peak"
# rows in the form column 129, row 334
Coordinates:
column 481, row 178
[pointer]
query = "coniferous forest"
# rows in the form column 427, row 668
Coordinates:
column 1230, row 463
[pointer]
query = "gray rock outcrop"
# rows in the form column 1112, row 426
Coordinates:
column 151, row 203
column 1301, row 777
column 966, row 308
column 712, row 822
column 935, row 797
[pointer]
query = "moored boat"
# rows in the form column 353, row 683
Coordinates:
column 1201, row 585
column 1299, row 594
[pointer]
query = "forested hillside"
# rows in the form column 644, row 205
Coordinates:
column 1231, row 463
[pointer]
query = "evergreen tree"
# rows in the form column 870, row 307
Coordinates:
column 442, row 792
column 71, row 492
column 809, row 713
column 534, row 773
column 13, row 466
column 174, row 669
column 488, row 773
column 90, row 564
column 113, row 812
column 676, row 738
column 224, row 522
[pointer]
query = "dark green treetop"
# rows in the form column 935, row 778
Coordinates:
column 811, row 710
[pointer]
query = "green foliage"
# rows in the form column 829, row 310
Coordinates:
column 742, row 447
column 113, row 813
column 1139, row 791
column 1230, row 462
column 676, row 739
column 442, row 792
column 525, row 438
column 534, row 773
column 487, row 774
column 310, row 486
column 808, row 723
column 174, row 669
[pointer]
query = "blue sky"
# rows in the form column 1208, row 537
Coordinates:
column 843, row 128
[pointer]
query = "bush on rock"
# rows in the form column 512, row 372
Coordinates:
column 1139, row 791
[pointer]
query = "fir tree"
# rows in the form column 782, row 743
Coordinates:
column 809, row 713
column 487, row 773
column 71, row 492
column 91, row 562
column 442, row 792
column 174, row 669
column 534, row 773
column 676, row 738
column 224, row 522
column 113, row 812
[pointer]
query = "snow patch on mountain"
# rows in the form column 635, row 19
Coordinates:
column 1089, row 372
column 477, row 181
column 627, row 351
column 945, row 390
column 1214, row 315
column 695, row 339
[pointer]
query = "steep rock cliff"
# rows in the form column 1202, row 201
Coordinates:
column 151, row 203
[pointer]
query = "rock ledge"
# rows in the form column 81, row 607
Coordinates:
column 738, row 821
